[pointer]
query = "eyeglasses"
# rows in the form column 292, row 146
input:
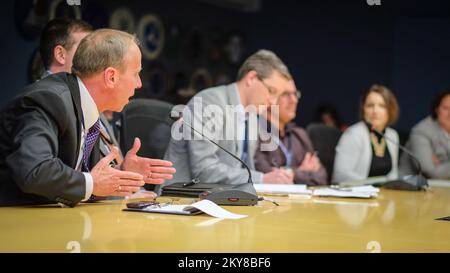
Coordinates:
column 297, row 94
column 272, row 91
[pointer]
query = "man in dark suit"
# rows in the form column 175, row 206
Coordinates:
column 49, row 149
column 59, row 40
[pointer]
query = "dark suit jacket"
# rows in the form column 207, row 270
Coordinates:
column 39, row 144
column 301, row 144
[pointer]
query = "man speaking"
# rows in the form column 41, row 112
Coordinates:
column 49, row 134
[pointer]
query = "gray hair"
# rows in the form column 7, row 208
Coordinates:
column 101, row 49
column 263, row 62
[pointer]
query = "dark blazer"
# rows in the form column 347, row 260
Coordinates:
column 39, row 144
column 300, row 145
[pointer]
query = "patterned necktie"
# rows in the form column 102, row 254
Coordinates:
column 89, row 142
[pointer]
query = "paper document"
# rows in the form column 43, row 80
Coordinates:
column 367, row 181
column 439, row 183
column 203, row 206
column 282, row 189
column 357, row 192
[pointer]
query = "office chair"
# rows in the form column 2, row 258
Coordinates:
column 324, row 139
column 149, row 120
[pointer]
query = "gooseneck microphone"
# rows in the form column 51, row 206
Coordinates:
column 408, row 182
column 213, row 142
column 243, row 194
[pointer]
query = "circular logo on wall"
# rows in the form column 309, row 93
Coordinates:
column 123, row 19
column 151, row 33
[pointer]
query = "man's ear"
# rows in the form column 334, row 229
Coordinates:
column 59, row 55
column 251, row 77
column 111, row 77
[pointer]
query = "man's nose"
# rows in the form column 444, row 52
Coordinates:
column 139, row 83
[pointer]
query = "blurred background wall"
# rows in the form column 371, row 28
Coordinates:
column 334, row 49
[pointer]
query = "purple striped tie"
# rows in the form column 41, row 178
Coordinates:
column 89, row 142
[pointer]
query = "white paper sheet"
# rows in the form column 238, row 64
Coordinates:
column 205, row 206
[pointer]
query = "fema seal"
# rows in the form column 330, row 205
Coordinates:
column 151, row 33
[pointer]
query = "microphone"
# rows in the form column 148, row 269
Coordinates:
column 408, row 182
column 222, row 148
column 243, row 194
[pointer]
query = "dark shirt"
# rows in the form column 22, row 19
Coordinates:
column 297, row 141
column 380, row 166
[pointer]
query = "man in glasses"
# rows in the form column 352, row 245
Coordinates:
column 295, row 152
column 260, row 81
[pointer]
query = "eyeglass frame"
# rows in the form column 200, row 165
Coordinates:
column 272, row 90
column 296, row 93
column 272, row 93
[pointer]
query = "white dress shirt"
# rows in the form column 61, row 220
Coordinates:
column 90, row 116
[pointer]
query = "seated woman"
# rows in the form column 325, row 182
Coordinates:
column 429, row 141
column 361, row 153
column 295, row 151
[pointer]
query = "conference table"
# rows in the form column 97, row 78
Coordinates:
column 395, row 221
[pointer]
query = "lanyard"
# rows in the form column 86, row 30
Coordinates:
column 286, row 150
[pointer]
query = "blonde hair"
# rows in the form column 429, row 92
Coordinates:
column 101, row 49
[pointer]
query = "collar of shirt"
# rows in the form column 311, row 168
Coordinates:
column 240, row 108
column 88, row 106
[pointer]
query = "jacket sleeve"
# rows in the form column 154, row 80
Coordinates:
column 422, row 148
column 347, row 154
column 309, row 178
column 262, row 160
column 34, row 161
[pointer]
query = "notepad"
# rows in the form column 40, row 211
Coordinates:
column 203, row 206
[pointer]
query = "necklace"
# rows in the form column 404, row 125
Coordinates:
column 378, row 147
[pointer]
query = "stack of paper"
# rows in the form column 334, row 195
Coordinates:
column 368, row 181
column 356, row 192
column 282, row 189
